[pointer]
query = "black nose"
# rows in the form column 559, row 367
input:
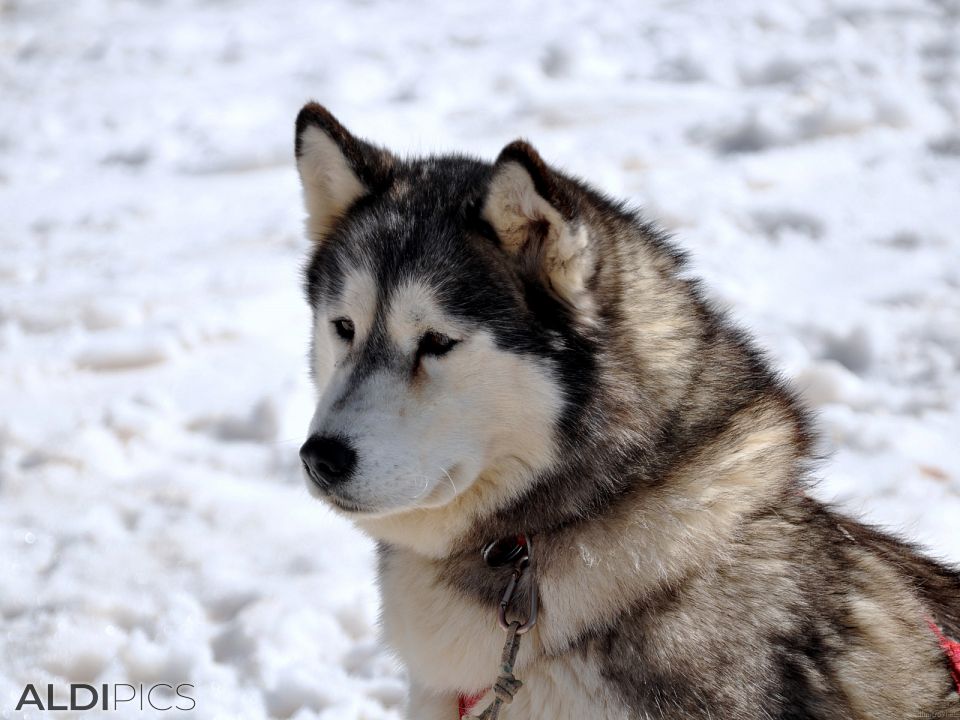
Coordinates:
column 327, row 460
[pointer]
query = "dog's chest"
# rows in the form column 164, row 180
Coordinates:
column 451, row 644
column 566, row 688
column 447, row 640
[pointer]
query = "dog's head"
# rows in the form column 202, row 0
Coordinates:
column 456, row 310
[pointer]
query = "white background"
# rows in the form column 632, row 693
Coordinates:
column 153, row 525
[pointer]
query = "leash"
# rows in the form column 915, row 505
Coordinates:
column 516, row 551
column 507, row 685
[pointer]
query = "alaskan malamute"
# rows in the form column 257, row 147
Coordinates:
column 504, row 356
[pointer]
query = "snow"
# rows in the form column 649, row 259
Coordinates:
column 153, row 524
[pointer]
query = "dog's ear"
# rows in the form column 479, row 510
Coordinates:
column 538, row 225
column 336, row 169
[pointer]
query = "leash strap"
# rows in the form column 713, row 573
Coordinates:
column 506, row 685
column 516, row 551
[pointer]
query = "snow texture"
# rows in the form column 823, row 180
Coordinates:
column 153, row 524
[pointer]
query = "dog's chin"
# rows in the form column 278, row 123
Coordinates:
column 342, row 505
column 441, row 494
column 350, row 508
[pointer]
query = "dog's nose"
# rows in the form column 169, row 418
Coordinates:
column 328, row 460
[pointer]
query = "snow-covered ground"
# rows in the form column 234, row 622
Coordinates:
column 153, row 396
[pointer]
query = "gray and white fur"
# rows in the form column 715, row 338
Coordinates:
column 500, row 349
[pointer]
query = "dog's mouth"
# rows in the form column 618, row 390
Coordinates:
column 341, row 500
column 331, row 496
column 346, row 505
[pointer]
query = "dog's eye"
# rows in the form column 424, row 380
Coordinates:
column 435, row 344
column 344, row 328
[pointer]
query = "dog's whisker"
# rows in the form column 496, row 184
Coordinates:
column 286, row 440
column 452, row 484
column 426, row 484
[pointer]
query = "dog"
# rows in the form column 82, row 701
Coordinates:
column 502, row 352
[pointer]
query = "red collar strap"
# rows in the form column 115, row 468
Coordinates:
column 951, row 648
column 468, row 703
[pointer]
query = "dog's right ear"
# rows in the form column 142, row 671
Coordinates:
column 539, row 226
column 336, row 169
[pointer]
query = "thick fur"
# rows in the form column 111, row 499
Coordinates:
column 596, row 402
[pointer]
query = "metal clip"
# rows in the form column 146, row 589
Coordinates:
column 520, row 568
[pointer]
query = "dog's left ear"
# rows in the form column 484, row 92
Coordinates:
column 537, row 225
column 336, row 168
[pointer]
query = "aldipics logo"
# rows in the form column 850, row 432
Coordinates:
column 81, row 696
